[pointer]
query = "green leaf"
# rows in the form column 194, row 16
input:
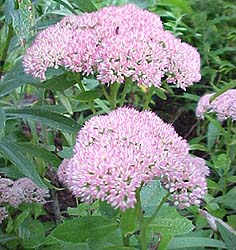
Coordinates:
column 119, row 248
column 32, row 233
column 102, row 104
column 66, row 152
column 231, row 220
column 169, row 223
column 21, row 218
column 212, row 134
column 232, row 179
column 213, row 185
column 199, row 147
column 2, row 121
column 221, row 161
column 81, row 229
column 8, row 10
column 97, row 244
column 89, row 95
column 4, row 238
column 6, row 86
column 151, row 196
column 215, row 122
column 82, row 209
column 65, row 101
column 23, row 20
column 106, row 210
column 44, row 116
column 12, row 172
column 16, row 78
column 228, row 200
column 86, row 6
column 228, row 234
column 58, row 82
column 160, row 93
column 128, row 222
column 190, row 242
column 62, row 245
column 189, row 97
column 67, row 5
column 105, row 245
column 38, row 151
column 16, row 156
column 90, row 83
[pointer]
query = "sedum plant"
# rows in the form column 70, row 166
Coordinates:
column 129, row 169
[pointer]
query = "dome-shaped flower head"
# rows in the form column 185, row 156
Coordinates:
column 23, row 190
column 224, row 105
column 116, row 154
column 115, row 43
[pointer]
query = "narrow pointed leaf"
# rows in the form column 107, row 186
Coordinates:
column 15, row 155
column 44, row 116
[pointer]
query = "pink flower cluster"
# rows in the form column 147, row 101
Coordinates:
column 115, row 43
column 117, row 153
column 224, row 105
column 20, row 191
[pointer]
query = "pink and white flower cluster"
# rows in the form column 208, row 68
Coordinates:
column 20, row 191
column 116, row 154
column 115, row 43
column 224, row 105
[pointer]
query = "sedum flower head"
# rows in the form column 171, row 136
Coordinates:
column 23, row 190
column 115, row 43
column 224, row 105
column 117, row 153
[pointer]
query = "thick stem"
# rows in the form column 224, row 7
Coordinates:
column 105, row 92
column 148, row 98
column 56, row 207
column 124, row 92
column 5, row 49
column 142, row 228
column 91, row 104
column 113, row 94
column 125, row 240
column 228, row 153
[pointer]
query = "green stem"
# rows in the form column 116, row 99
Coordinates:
column 5, row 49
column 142, row 229
column 164, row 199
column 91, row 104
column 113, row 94
column 227, row 142
column 125, row 90
column 125, row 240
column 105, row 92
column 148, row 98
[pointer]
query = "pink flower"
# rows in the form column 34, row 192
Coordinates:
column 115, row 43
column 224, row 105
column 20, row 191
column 117, row 153
column 203, row 105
